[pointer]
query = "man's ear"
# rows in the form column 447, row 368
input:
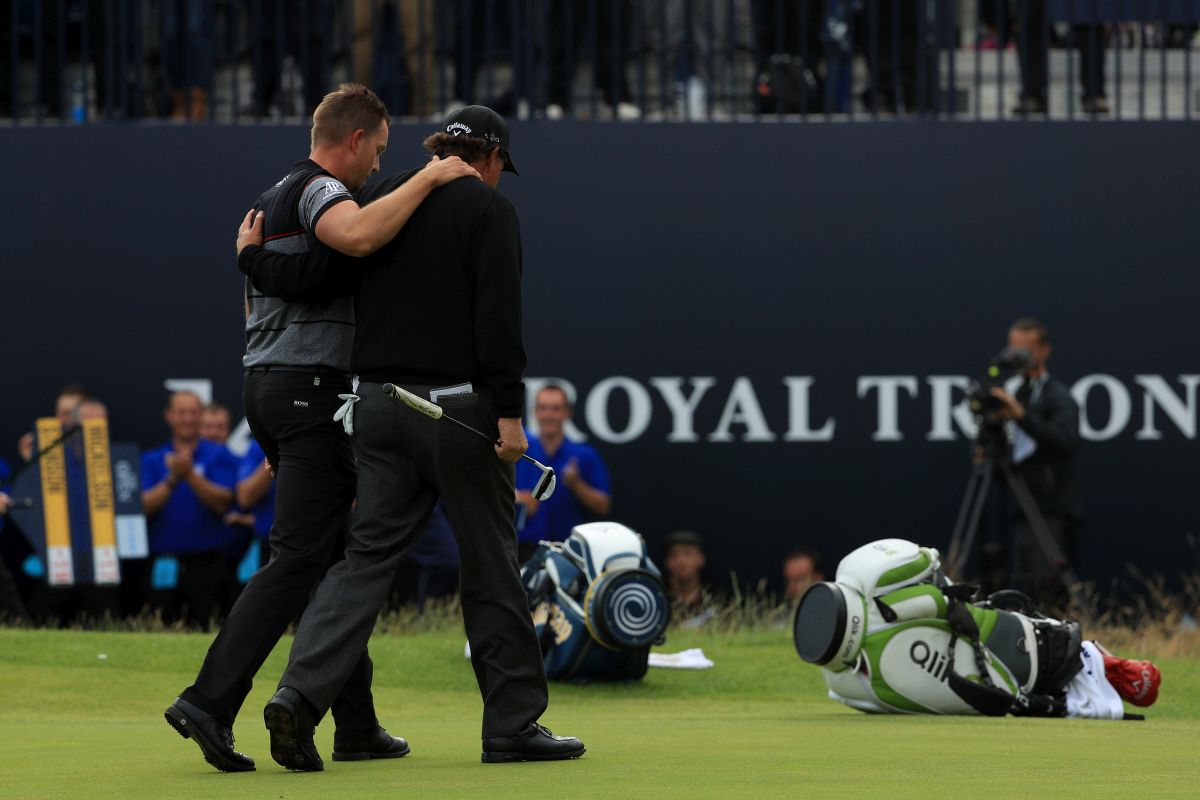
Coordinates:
column 356, row 140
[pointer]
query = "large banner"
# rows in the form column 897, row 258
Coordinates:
column 767, row 327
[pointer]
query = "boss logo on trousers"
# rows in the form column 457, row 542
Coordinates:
column 300, row 403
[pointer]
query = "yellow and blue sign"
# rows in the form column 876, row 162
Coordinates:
column 83, row 512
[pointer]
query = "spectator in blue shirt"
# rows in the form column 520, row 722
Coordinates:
column 436, row 555
column 588, row 494
column 255, row 494
column 215, row 425
column 187, row 486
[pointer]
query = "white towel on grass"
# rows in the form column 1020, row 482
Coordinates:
column 687, row 659
column 1089, row 694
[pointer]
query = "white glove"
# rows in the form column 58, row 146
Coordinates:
column 345, row 414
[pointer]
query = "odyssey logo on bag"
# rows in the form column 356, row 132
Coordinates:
column 556, row 619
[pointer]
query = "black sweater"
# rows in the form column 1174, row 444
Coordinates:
column 438, row 305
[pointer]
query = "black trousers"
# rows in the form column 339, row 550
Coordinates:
column 11, row 607
column 200, row 598
column 405, row 462
column 291, row 416
column 607, row 60
column 83, row 604
column 275, row 18
column 1031, row 46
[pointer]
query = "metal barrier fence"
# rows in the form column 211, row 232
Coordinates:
column 77, row 61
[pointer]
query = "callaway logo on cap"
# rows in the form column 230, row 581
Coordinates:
column 481, row 122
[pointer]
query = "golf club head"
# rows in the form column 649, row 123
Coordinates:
column 431, row 410
column 546, row 483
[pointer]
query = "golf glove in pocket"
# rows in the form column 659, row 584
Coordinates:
column 345, row 414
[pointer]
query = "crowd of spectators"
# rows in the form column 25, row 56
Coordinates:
column 182, row 59
column 203, row 511
column 209, row 513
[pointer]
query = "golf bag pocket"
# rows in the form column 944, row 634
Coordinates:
column 598, row 604
column 889, row 564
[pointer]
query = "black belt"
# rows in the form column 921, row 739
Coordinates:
column 325, row 372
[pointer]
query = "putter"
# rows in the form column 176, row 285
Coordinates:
column 546, row 483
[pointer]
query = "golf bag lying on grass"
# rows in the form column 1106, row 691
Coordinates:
column 894, row 635
column 598, row 603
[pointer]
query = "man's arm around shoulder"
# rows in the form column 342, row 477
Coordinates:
column 361, row 230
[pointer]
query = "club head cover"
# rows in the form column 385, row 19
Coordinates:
column 431, row 410
column 1136, row 681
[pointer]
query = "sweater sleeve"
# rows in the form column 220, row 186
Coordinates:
column 496, row 273
column 318, row 275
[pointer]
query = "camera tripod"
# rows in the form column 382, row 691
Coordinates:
column 997, row 461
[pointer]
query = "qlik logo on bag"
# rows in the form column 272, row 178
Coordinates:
column 927, row 659
column 852, row 639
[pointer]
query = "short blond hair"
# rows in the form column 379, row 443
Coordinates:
column 349, row 108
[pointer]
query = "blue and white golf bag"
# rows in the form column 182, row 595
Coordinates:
column 598, row 604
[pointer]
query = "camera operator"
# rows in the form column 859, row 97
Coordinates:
column 1044, row 426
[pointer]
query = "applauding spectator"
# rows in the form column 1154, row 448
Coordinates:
column 187, row 486
column 580, row 471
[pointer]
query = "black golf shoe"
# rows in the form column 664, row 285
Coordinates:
column 535, row 743
column 289, row 718
column 214, row 737
column 377, row 744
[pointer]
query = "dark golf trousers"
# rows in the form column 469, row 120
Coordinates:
column 405, row 461
column 291, row 415
column 11, row 607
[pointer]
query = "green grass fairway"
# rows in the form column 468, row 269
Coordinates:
column 76, row 724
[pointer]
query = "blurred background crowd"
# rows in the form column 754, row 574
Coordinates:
column 226, row 60
column 209, row 505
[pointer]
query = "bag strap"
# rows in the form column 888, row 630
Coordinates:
column 985, row 697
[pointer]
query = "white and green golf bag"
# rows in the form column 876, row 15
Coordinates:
column 598, row 604
column 893, row 635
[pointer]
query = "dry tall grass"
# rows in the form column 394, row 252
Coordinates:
column 1157, row 623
